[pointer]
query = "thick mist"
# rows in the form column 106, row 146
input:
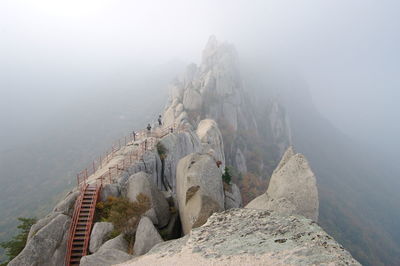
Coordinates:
column 52, row 54
column 75, row 75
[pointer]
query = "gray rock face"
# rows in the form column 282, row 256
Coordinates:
column 251, row 237
column 66, row 206
column 233, row 198
column 177, row 146
column 150, row 164
column 292, row 188
column 110, row 190
column 240, row 161
column 211, row 139
column 152, row 215
column 147, row 236
column 105, row 257
column 100, row 233
column 112, row 252
column 192, row 100
column 47, row 246
column 142, row 183
column 199, row 190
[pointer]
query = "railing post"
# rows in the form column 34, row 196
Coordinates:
column 119, row 144
column 94, row 170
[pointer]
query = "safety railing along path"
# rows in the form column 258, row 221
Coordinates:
column 84, row 208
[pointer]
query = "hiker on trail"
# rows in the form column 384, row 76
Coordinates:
column 148, row 129
column 159, row 120
column 134, row 135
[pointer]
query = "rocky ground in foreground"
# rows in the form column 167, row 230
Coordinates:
column 250, row 237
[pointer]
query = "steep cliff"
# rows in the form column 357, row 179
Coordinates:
column 258, row 133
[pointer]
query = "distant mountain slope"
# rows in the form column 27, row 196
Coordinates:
column 359, row 199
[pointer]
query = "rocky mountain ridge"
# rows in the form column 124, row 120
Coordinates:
column 182, row 178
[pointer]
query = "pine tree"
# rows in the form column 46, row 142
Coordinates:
column 226, row 177
column 14, row 246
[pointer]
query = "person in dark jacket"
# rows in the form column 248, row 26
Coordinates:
column 159, row 120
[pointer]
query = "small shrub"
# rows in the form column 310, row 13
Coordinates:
column 14, row 246
column 122, row 213
column 162, row 151
column 226, row 177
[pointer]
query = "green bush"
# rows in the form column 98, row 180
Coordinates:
column 122, row 213
column 162, row 151
column 226, row 177
column 14, row 246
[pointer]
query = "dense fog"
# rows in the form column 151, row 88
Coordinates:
column 75, row 75
column 55, row 55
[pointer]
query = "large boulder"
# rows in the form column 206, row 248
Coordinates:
column 142, row 183
column 66, row 206
column 112, row 252
column 150, row 164
column 233, row 198
column 250, row 237
column 292, row 188
column 177, row 146
column 146, row 237
column 47, row 246
column 100, row 233
column 199, row 190
column 211, row 139
column 110, row 190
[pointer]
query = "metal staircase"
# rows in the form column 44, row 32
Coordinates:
column 81, row 224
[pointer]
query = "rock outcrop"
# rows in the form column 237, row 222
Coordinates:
column 100, row 234
column 147, row 236
column 109, row 190
column 112, row 252
column 214, row 90
column 292, row 188
column 250, row 237
column 211, row 140
column 47, row 246
column 233, row 198
column 177, row 146
column 142, row 183
column 199, row 189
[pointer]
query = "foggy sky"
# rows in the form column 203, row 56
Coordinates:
column 346, row 51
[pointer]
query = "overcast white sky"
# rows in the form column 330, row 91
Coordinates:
column 346, row 50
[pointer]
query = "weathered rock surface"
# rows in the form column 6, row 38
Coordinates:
column 66, row 206
column 250, row 237
column 211, row 139
column 142, row 183
column 150, row 164
column 100, row 233
column 292, row 188
column 110, row 190
column 47, row 246
column 177, row 146
column 199, row 190
column 147, row 236
column 152, row 215
column 233, row 198
column 112, row 252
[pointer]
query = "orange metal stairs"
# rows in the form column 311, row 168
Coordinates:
column 81, row 224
